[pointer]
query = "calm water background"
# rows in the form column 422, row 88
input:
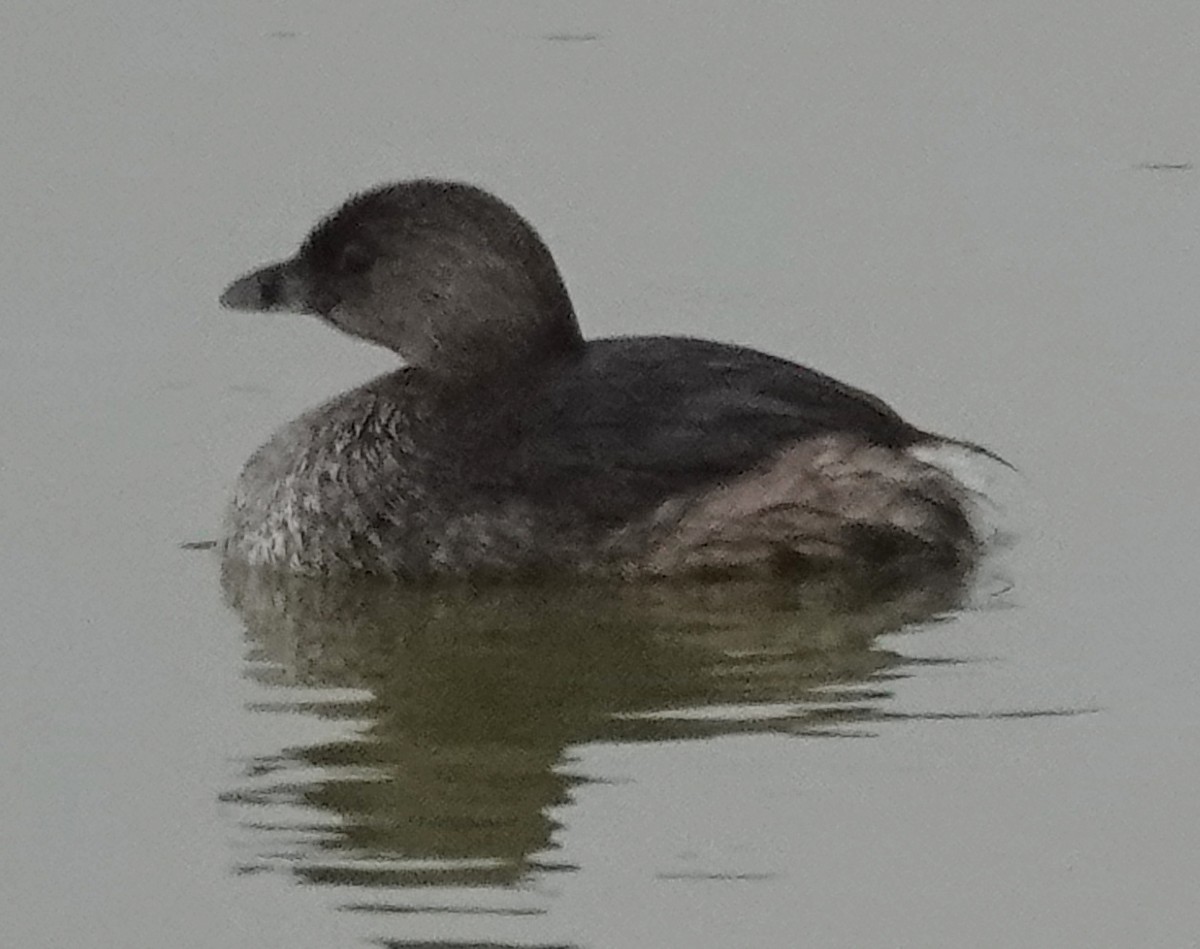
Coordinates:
column 973, row 210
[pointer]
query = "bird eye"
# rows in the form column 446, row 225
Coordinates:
column 355, row 258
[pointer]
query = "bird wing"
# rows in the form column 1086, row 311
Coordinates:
column 643, row 419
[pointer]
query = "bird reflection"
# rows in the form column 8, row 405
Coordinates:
column 458, row 706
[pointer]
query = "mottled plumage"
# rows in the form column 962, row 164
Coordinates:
column 511, row 445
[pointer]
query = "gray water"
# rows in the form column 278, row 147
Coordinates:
column 986, row 214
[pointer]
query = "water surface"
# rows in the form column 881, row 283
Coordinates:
column 988, row 216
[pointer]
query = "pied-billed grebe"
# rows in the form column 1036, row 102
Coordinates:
column 511, row 445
